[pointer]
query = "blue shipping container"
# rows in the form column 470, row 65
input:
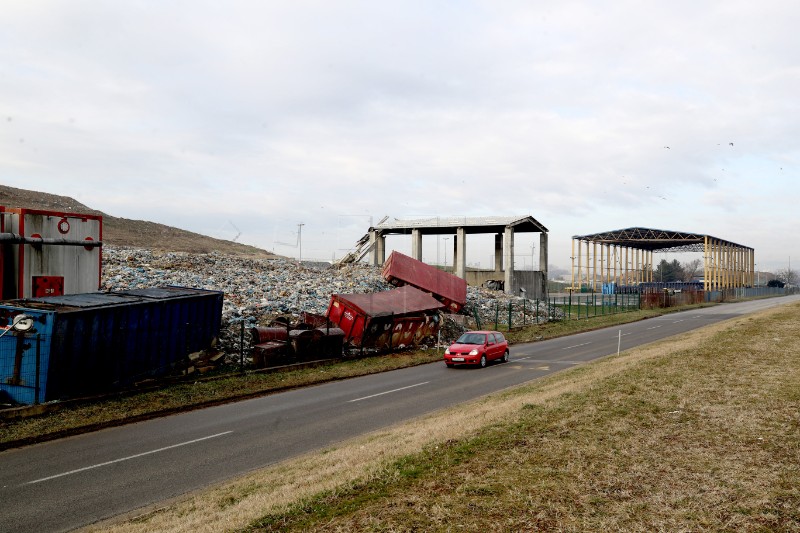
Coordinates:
column 98, row 342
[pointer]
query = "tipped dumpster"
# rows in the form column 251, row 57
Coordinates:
column 385, row 320
column 402, row 270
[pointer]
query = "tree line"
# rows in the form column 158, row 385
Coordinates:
column 674, row 270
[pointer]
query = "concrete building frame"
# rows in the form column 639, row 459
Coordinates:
column 504, row 229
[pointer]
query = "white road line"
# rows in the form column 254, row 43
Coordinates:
column 388, row 391
column 549, row 362
column 677, row 321
column 576, row 346
column 654, row 327
column 127, row 458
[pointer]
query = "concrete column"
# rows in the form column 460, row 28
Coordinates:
column 373, row 247
column 416, row 244
column 377, row 248
column 508, row 258
column 461, row 254
column 498, row 252
column 381, row 249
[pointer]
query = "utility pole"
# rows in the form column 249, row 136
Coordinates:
column 300, row 241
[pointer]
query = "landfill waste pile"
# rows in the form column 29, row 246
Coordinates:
column 258, row 290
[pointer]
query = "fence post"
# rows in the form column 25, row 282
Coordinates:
column 241, row 348
column 509, row 315
column 523, row 311
column 569, row 307
column 496, row 313
column 477, row 318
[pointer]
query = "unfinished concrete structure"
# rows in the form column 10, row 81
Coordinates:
column 534, row 283
column 625, row 257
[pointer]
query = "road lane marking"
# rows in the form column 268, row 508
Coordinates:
column 576, row 346
column 677, row 321
column 165, row 448
column 388, row 392
column 654, row 327
column 556, row 362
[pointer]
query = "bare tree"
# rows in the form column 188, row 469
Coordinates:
column 788, row 276
column 690, row 269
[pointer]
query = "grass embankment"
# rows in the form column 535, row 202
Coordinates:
column 86, row 416
column 700, row 432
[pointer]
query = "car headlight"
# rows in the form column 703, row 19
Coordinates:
column 474, row 352
column 447, row 351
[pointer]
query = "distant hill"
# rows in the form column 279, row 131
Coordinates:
column 125, row 232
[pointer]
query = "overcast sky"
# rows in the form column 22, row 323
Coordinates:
column 253, row 117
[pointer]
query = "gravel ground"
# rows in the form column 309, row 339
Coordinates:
column 257, row 290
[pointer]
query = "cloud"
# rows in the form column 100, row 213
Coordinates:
column 280, row 113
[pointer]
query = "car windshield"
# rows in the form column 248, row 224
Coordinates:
column 472, row 338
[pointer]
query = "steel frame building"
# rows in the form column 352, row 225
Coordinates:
column 625, row 257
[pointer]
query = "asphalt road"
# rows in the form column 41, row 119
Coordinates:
column 65, row 484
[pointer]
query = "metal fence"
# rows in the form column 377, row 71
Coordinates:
column 524, row 312
column 743, row 293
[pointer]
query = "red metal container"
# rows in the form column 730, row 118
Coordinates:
column 269, row 353
column 261, row 334
column 402, row 270
column 385, row 320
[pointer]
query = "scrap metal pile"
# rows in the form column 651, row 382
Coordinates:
column 260, row 290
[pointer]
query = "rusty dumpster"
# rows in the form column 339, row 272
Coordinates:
column 386, row 320
column 400, row 269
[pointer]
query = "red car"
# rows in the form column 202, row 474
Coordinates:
column 477, row 348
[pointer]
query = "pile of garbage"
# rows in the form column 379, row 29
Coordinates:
column 257, row 290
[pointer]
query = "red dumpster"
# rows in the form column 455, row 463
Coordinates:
column 385, row 320
column 402, row 270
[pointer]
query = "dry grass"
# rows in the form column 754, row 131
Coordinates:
column 701, row 432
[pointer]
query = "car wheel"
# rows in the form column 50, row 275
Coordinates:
column 483, row 361
column 505, row 357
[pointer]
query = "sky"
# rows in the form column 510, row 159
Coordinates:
column 244, row 119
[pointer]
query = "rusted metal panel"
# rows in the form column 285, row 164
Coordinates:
column 385, row 320
column 306, row 343
column 313, row 319
column 269, row 353
column 331, row 342
column 400, row 269
column 262, row 334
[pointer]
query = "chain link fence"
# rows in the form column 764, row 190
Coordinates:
column 522, row 312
